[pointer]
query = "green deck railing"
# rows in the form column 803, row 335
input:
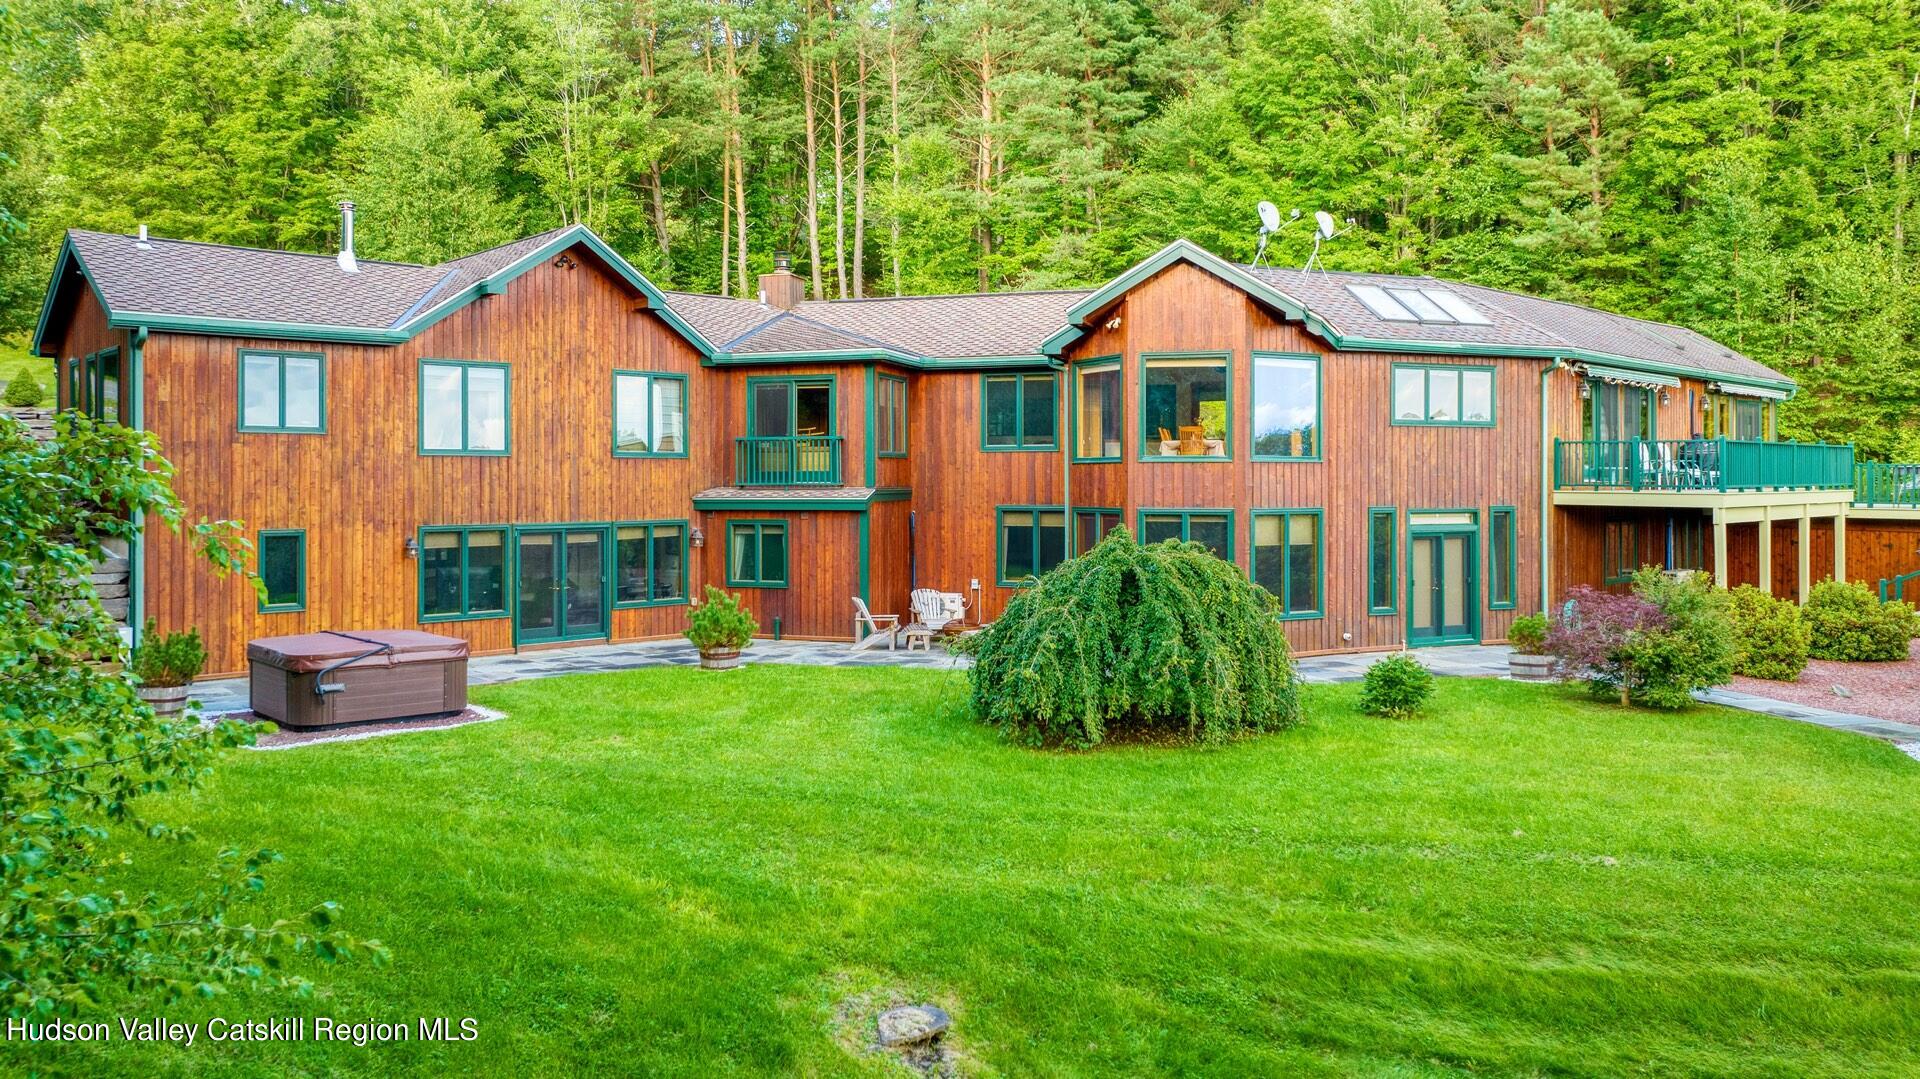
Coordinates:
column 1892, row 588
column 1700, row 464
column 1877, row 483
column 790, row 461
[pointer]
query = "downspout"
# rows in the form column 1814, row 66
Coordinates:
column 137, row 555
column 1546, row 480
column 1065, row 434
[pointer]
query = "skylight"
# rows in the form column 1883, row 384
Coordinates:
column 1425, row 305
column 1423, row 309
column 1382, row 305
column 1454, row 305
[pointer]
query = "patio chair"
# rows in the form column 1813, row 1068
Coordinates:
column 878, row 625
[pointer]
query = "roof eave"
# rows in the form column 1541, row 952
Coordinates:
column 68, row 254
column 1181, row 250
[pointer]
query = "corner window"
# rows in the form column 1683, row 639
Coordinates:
column 1501, row 570
column 1096, row 416
column 1286, row 559
column 283, row 570
column 1446, row 396
column 890, row 415
column 649, row 564
column 1214, row 529
column 283, row 392
column 1016, row 412
column 1184, row 407
column 1286, row 407
column 1032, row 540
column 1383, row 538
column 649, row 414
column 1091, row 526
column 463, row 573
column 463, row 407
column 757, row 554
column 1619, row 551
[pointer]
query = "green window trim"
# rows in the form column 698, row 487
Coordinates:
column 1503, row 574
column 1021, row 443
column 758, row 529
column 1428, row 370
column 794, row 383
column 648, row 378
column 1286, row 517
column 281, row 427
column 299, row 602
column 1187, row 517
column 76, row 368
column 1619, row 550
column 1318, row 428
column 467, row 611
column 1383, row 596
column 891, row 432
column 466, row 404
column 1034, row 551
column 1094, row 366
column 89, row 390
column 1226, row 441
column 1099, row 515
column 614, row 561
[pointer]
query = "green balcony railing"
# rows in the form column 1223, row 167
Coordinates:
column 1876, row 483
column 1699, row 464
column 789, row 461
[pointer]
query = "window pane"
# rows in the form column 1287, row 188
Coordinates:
column 1160, row 526
column 773, row 553
column 1381, row 304
column 813, row 410
column 280, row 569
column 486, row 571
column 1100, row 413
column 1016, row 546
column 1037, row 412
column 772, row 409
column 1476, row 396
column 1380, row 560
column 486, row 408
column 746, row 553
column 1303, row 563
column 1443, row 395
column 1500, row 551
column 666, row 563
column 1286, row 407
column 1211, row 531
column 631, row 432
column 630, row 564
column 669, row 415
column 1422, row 307
column 1053, row 540
column 1185, row 410
column 260, row 390
column 1269, row 565
column 1409, row 394
column 1002, row 410
column 440, row 407
column 302, row 374
column 440, row 573
column 900, row 417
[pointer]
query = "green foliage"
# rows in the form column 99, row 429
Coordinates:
column 720, row 621
column 167, row 659
column 24, row 391
column 78, row 749
column 1849, row 623
column 1654, row 648
column 1770, row 638
column 1397, row 686
column 1129, row 640
column 1528, row 634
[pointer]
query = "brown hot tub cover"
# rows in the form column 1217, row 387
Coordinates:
column 304, row 653
column 416, row 674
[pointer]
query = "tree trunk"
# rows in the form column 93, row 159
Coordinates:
column 839, row 180
column 860, row 178
column 983, row 170
column 893, row 110
column 807, row 93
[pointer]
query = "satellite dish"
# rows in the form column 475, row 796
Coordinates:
column 1326, row 223
column 1269, row 216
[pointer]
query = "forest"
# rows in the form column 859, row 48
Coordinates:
column 1740, row 166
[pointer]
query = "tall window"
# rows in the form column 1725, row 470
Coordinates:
column 1286, row 407
column 1183, row 407
column 1612, row 411
column 757, row 554
column 1383, row 563
column 1744, row 418
column 283, row 391
column 1443, row 395
column 463, row 573
column 1619, row 551
column 650, row 564
column 891, row 415
column 1213, row 529
column 649, row 414
column 1286, row 559
column 1033, row 540
column 1501, row 568
column 106, row 384
column 1091, row 526
column 1017, row 412
column 283, row 569
column 463, row 407
column 1096, row 418
column 1687, row 541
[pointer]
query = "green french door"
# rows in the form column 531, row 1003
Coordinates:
column 1442, row 596
column 562, row 584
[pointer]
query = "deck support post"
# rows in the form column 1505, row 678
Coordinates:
column 1766, row 551
column 1720, row 548
column 1805, row 545
column 1840, row 544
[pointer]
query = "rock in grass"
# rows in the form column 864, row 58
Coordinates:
column 1842, row 691
column 912, row 1025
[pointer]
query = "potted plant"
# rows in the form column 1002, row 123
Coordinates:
column 165, row 664
column 719, row 627
column 1529, row 662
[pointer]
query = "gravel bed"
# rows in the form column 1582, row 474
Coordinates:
column 291, row 739
column 1881, row 690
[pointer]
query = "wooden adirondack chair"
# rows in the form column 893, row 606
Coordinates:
column 878, row 626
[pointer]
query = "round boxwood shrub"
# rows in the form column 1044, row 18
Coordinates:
column 1396, row 686
column 1163, row 640
column 1851, row 624
column 24, row 391
column 1528, row 635
column 1770, row 639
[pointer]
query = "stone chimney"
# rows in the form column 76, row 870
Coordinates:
column 782, row 288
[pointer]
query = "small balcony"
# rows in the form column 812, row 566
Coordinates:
column 787, row 461
column 1886, row 486
column 1700, row 465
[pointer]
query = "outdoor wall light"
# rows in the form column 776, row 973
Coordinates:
column 412, row 547
column 697, row 538
column 1665, row 398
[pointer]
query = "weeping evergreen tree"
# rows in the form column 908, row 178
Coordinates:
column 1162, row 640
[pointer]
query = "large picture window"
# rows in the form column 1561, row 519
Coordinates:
column 1383, row 563
column 1501, row 553
column 890, row 415
column 283, row 391
column 283, row 569
column 1213, row 528
column 649, row 414
column 1286, row 559
column 1449, row 395
column 1017, row 412
column 757, row 554
column 1032, row 540
column 463, row 573
column 463, row 407
column 1184, row 407
column 1096, row 417
column 1286, row 407
column 650, row 563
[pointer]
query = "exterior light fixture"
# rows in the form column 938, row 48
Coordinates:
column 697, row 538
column 412, row 547
column 1666, row 398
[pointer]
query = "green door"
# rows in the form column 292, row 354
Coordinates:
column 561, row 584
column 1441, row 599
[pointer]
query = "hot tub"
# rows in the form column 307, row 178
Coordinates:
column 333, row 679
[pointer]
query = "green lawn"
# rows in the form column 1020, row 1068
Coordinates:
column 14, row 359
column 677, row 872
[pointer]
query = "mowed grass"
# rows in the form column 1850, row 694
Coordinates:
column 677, row 872
column 14, row 359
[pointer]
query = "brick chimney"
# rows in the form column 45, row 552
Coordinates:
column 782, row 288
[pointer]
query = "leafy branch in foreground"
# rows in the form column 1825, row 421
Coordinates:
column 78, row 749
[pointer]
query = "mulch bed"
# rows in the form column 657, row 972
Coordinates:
column 1881, row 690
column 289, row 739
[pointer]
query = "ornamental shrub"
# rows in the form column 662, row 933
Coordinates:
column 24, row 391
column 167, row 659
column 1127, row 639
column 720, row 621
column 1653, row 647
column 1770, row 639
column 1396, row 686
column 1851, row 624
column 1528, row 634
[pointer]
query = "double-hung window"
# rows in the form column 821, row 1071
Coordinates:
column 283, row 392
column 757, row 554
column 1286, row 407
column 1017, row 411
column 1213, row 528
column 463, row 407
column 1032, row 540
column 283, row 569
column 1445, row 395
column 1091, row 526
column 1096, row 415
column 649, row 563
column 1286, row 559
column 890, row 415
column 463, row 573
column 649, row 414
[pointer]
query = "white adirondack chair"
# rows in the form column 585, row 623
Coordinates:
column 878, row 626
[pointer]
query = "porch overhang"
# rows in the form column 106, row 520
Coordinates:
column 1724, row 505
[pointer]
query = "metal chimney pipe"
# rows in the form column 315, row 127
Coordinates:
column 347, row 262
